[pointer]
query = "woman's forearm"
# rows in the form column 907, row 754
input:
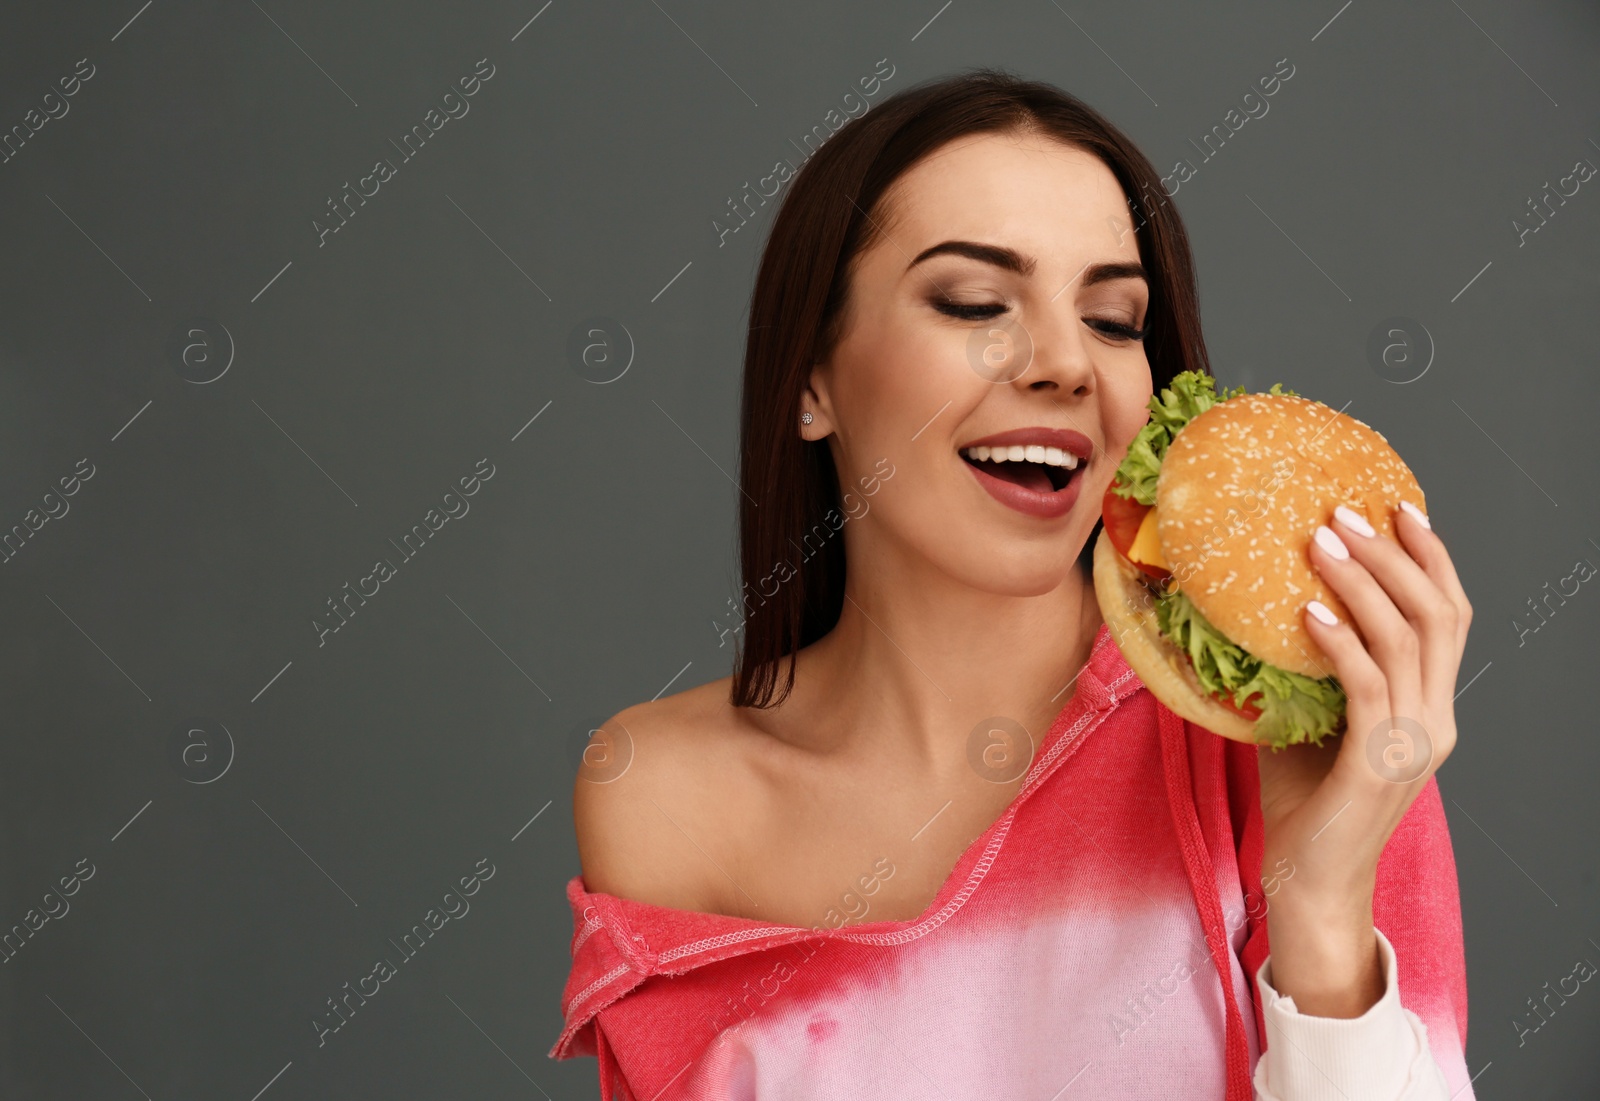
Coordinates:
column 1325, row 952
column 1380, row 1054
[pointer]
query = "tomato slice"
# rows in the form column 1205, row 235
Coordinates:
column 1122, row 517
column 1249, row 710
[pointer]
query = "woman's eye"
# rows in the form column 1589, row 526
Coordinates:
column 1115, row 329
column 981, row 311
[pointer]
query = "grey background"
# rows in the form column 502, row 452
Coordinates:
column 368, row 774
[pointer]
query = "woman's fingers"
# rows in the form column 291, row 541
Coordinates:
column 1384, row 748
column 1358, row 674
column 1367, row 574
column 1429, row 552
column 1365, row 685
column 1432, row 615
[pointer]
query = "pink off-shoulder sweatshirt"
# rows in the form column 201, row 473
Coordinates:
column 1106, row 937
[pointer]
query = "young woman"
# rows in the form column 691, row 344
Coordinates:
column 933, row 838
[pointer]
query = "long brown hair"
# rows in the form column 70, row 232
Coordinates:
column 791, row 596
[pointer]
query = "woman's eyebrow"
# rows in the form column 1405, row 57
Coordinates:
column 1009, row 259
column 1103, row 273
column 1001, row 257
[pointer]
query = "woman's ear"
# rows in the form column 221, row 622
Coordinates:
column 815, row 401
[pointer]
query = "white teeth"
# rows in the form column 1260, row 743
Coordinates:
column 1050, row 456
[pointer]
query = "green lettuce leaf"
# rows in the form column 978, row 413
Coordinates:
column 1294, row 708
column 1190, row 394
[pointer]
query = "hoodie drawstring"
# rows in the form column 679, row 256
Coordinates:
column 1203, row 885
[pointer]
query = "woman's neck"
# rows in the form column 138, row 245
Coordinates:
column 917, row 661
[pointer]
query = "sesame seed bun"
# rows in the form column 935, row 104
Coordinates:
column 1128, row 607
column 1241, row 491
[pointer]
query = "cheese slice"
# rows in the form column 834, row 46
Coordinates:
column 1146, row 547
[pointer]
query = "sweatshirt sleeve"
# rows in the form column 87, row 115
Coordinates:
column 1416, row 908
column 1382, row 1055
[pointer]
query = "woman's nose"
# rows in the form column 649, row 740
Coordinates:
column 1059, row 358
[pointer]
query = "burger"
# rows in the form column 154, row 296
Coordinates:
column 1202, row 570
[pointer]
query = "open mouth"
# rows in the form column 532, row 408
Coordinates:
column 1040, row 469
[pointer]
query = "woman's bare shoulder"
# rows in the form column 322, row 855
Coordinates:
column 651, row 797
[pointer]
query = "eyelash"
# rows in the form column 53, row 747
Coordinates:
column 984, row 312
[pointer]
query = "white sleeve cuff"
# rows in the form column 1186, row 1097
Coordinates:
column 1381, row 1055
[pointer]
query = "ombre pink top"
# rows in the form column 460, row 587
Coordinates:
column 1097, row 941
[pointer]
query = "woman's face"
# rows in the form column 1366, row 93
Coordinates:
column 994, row 313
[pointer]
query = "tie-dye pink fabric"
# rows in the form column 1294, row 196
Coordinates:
column 1067, row 946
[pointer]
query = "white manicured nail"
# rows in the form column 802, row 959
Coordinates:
column 1322, row 612
column 1329, row 541
column 1416, row 514
column 1353, row 520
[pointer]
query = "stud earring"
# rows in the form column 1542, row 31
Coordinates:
column 806, row 418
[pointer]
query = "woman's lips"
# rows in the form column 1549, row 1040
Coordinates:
column 1045, row 504
column 1037, row 500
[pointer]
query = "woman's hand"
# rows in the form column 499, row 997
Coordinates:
column 1329, row 810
